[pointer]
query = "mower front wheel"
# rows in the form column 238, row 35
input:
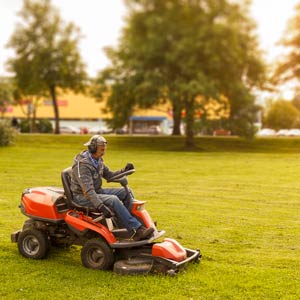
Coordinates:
column 96, row 254
column 33, row 243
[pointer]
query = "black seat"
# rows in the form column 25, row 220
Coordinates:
column 66, row 181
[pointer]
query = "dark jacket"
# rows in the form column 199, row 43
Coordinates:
column 87, row 179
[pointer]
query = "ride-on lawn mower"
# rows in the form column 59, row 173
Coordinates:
column 56, row 220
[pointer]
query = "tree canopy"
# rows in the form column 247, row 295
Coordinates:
column 282, row 115
column 179, row 50
column 7, row 91
column 288, row 67
column 47, row 55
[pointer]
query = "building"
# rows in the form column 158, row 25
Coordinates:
column 83, row 111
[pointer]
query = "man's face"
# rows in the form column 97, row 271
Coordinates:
column 100, row 151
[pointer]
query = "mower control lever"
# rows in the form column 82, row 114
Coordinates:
column 120, row 177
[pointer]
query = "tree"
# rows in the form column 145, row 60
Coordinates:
column 282, row 114
column 47, row 56
column 6, row 94
column 178, row 50
column 296, row 100
column 288, row 68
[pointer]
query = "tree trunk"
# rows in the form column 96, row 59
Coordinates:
column 33, row 119
column 176, row 119
column 55, row 107
column 190, row 110
column 29, row 114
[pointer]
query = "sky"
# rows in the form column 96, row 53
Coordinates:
column 101, row 21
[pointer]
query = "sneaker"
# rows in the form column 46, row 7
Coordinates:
column 143, row 233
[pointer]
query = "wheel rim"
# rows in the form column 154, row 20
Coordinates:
column 31, row 245
column 95, row 256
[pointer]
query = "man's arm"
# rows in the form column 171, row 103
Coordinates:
column 83, row 176
column 107, row 173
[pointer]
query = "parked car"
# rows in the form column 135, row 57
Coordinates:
column 266, row 132
column 282, row 132
column 122, row 130
column 221, row 132
column 69, row 129
column 154, row 129
column 294, row 132
column 99, row 129
column 84, row 130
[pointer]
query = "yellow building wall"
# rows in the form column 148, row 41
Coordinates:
column 79, row 107
column 71, row 106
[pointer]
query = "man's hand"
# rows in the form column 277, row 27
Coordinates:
column 107, row 212
column 128, row 167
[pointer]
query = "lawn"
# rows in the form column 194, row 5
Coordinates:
column 237, row 201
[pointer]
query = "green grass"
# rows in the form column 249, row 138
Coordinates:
column 237, row 201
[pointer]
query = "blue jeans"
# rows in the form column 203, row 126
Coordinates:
column 113, row 197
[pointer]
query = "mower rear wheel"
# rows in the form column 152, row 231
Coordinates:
column 96, row 254
column 33, row 243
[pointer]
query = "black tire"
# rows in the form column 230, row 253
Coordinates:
column 33, row 243
column 96, row 254
column 133, row 266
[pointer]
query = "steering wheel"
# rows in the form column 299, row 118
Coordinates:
column 121, row 175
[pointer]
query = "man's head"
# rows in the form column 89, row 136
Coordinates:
column 96, row 145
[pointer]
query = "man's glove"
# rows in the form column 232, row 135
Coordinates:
column 107, row 212
column 128, row 167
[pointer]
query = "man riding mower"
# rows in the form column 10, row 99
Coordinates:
column 109, row 240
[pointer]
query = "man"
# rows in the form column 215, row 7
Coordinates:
column 86, row 184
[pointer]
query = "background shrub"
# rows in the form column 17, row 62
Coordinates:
column 24, row 126
column 7, row 133
column 44, row 126
column 41, row 126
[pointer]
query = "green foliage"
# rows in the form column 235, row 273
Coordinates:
column 283, row 114
column 243, row 122
column 178, row 50
column 47, row 54
column 6, row 94
column 288, row 67
column 7, row 133
column 296, row 102
column 42, row 126
column 241, row 208
column 25, row 126
column 119, row 102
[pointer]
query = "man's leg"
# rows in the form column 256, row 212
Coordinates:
column 139, row 231
column 127, row 220
column 122, row 194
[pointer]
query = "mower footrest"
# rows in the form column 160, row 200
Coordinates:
column 14, row 236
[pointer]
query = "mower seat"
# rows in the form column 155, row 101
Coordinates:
column 66, row 181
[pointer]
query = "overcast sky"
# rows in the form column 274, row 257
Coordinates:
column 101, row 21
